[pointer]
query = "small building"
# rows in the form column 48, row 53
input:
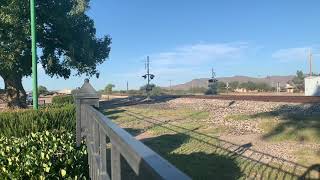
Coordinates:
column 289, row 88
column 312, row 86
column 240, row 90
column 244, row 90
column 65, row 91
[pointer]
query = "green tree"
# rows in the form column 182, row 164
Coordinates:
column 222, row 87
column 66, row 37
column 248, row 85
column 155, row 90
column 108, row 88
column 134, row 92
column 144, row 87
column 234, row 85
column 42, row 90
column 263, row 87
column 197, row 90
column 298, row 80
column 255, row 86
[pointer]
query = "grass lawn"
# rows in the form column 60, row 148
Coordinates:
column 297, row 128
column 288, row 127
column 189, row 141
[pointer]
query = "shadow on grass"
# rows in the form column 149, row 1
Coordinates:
column 254, row 164
column 298, row 122
column 112, row 112
column 198, row 165
column 134, row 132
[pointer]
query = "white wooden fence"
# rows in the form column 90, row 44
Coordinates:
column 99, row 131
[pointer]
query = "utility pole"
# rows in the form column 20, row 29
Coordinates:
column 34, row 55
column 170, row 86
column 310, row 62
column 127, row 87
column 192, row 87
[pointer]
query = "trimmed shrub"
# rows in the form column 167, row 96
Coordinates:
column 43, row 155
column 67, row 99
column 22, row 122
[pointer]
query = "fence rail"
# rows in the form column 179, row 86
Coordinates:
column 99, row 131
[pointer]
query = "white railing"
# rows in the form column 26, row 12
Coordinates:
column 102, row 135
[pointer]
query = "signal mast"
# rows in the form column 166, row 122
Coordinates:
column 212, row 84
column 213, row 77
column 149, row 77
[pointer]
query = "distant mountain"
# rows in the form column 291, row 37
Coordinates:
column 203, row 82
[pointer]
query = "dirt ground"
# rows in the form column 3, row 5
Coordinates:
column 283, row 138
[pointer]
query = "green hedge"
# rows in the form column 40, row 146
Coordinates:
column 62, row 99
column 22, row 122
column 43, row 155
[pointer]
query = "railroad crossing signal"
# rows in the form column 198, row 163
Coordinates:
column 148, row 76
column 213, row 78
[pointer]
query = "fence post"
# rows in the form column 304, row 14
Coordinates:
column 115, row 163
column 86, row 95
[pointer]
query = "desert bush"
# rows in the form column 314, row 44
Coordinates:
column 67, row 99
column 21, row 123
column 50, row 155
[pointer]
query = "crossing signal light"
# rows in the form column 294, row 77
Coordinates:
column 151, row 76
column 144, row 76
column 212, row 80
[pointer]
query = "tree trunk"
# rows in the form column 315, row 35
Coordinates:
column 15, row 94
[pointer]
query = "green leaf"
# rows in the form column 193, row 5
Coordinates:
column 47, row 169
column 63, row 172
column 42, row 155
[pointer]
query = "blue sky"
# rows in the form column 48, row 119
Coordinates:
column 184, row 39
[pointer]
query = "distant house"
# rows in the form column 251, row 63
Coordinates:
column 244, row 90
column 241, row 90
column 289, row 88
column 312, row 86
column 65, row 91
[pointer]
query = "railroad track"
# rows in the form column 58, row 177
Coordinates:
column 141, row 99
column 289, row 99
